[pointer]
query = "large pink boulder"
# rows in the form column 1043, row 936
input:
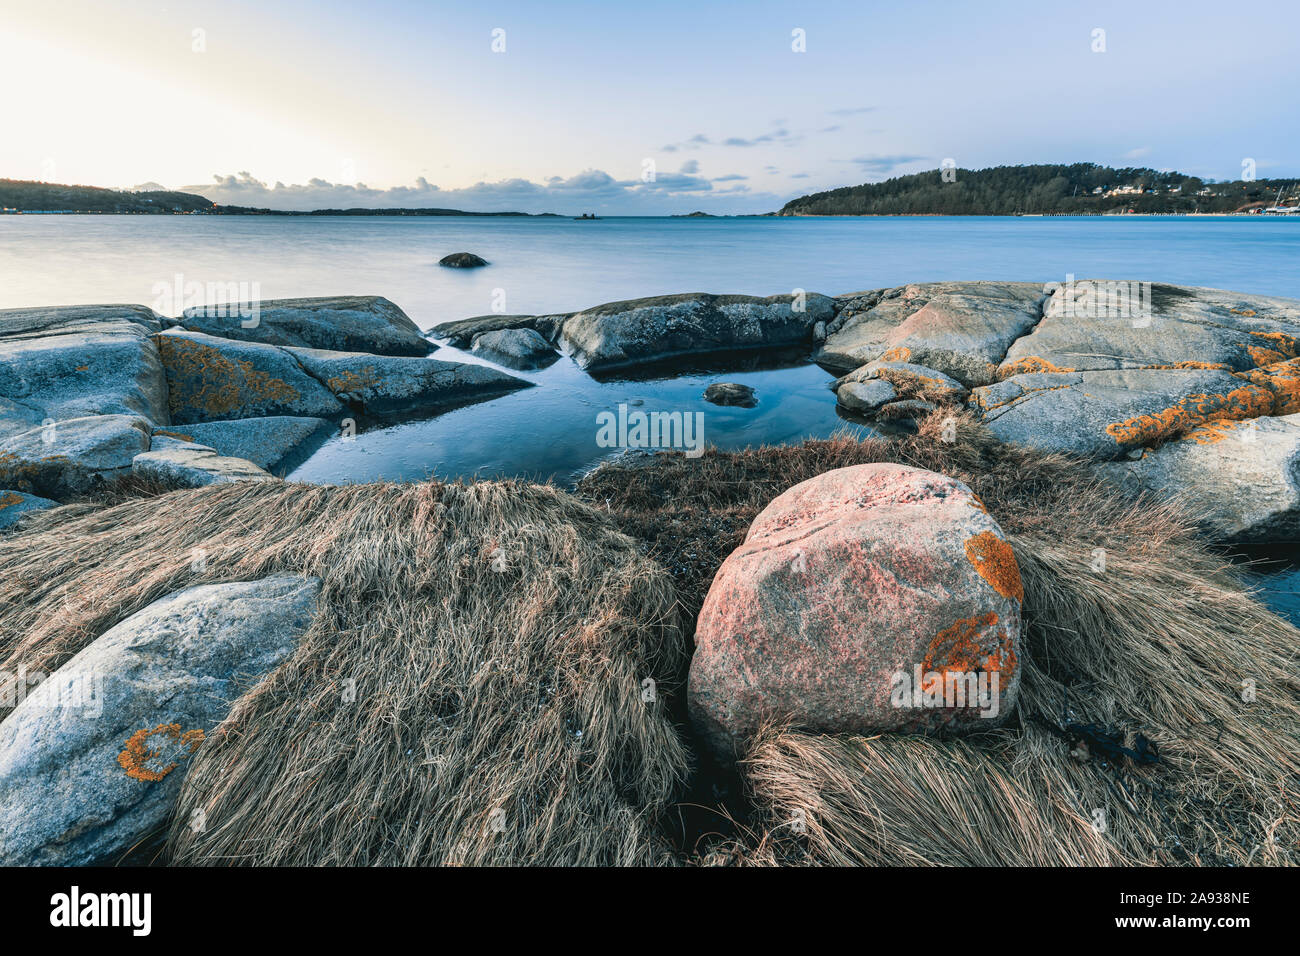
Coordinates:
column 868, row 599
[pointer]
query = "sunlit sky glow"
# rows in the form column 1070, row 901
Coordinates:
column 390, row 103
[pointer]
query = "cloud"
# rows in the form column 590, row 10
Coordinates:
column 854, row 111
column 1137, row 153
column 885, row 164
column 590, row 189
column 730, row 177
column 799, row 175
column 690, row 166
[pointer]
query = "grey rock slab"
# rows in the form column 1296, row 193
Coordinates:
column 640, row 331
column 352, row 323
column 389, row 385
column 210, row 378
column 94, row 757
column 15, row 504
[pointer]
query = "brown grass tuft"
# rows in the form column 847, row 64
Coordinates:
column 1158, row 644
column 498, row 636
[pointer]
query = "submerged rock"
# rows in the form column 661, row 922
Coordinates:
column 462, row 260
column 348, row 323
column 382, row 385
column 1241, row 478
column 15, row 504
column 93, row 759
column 515, row 348
column 72, row 457
column 730, row 393
column 846, row 588
column 214, row 379
column 647, row 330
column 193, row 466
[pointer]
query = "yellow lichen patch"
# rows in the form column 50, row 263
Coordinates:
column 978, row 504
column 83, row 368
column 1263, row 357
column 996, row 564
column 135, row 758
column 1287, row 345
column 209, row 381
column 1210, row 433
column 1242, row 311
column 1206, row 366
column 351, row 381
column 1249, row 401
column 1283, row 380
column 897, row 354
column 959, row 650
column 1030, row 363
column 9, row 499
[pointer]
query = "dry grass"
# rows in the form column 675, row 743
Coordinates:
column 1159, row 643
column 498, row 714
column 472, row 684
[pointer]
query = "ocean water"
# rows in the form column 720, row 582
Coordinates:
column 559, row 265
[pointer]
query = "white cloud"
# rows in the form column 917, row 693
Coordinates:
column 591, row 189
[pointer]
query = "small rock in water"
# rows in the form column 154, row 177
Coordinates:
column 730, row 393
column 462, row 260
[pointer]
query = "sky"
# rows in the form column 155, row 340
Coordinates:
column 638, row 108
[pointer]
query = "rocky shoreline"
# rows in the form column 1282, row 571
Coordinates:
column 1198, row 395
column 1032, row 428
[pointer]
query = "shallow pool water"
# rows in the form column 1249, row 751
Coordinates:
column 552, row 431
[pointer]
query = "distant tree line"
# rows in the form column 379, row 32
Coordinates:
column 52, row 197
column 1012, row 190
column 29, row 196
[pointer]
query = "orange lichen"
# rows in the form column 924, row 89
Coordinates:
column 1282, row 342
column 1030, row 363
column 1283, row 380
column 179, row 436
column 959, row 650
column 201, row 377
column 83, row 368
column 978, row 504
column 1205, row 366
column 996, row 564
column 9, row 499
column 897, row 354
column 1242, row 311
column 135, row 758
column 351, row 381
column 1249, row 401
column 1210, row 433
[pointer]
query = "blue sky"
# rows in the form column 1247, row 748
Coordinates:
column 304, row 105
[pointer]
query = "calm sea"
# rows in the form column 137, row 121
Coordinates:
column 559, row 265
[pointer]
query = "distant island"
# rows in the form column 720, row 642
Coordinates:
column 1077, row 189
column 27, row 196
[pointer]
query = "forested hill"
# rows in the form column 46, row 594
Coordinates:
column 28, row 196
column 53, row 197
column 1011, row 190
